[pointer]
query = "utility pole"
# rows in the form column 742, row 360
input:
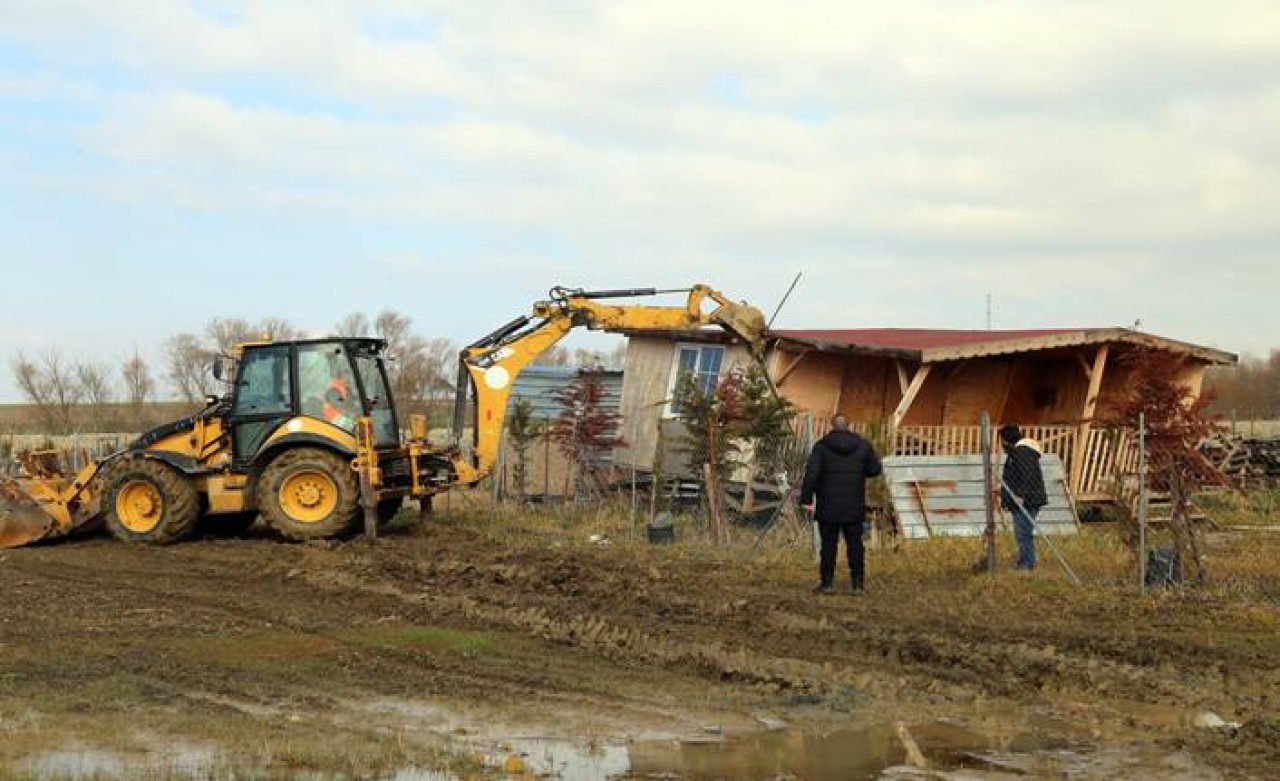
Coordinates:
column 988, row 311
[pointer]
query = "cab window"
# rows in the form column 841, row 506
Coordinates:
column 327, row 386
column 375, row 387
column 262, row 386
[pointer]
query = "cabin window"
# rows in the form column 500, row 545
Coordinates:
column 262, row 387
column 701, row 361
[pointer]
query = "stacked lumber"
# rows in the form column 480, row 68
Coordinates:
column 1248, row 462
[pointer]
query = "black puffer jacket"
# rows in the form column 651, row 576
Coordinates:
column 1022, row 476
column 836, row 476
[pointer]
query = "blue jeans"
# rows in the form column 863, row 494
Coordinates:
column 1024, row 519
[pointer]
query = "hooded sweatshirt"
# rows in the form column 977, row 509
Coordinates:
column 1022, row 476
column 836, row 475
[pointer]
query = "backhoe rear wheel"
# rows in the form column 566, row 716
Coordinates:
column 307, row 492
column 145, row 500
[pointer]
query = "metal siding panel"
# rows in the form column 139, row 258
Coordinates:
column 953, row 492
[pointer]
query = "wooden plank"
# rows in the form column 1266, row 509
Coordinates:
column 785, row 373
column 904, row 381
column 924, row 510
column 917, row 382
column 1090, row 407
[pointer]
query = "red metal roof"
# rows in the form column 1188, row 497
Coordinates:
column 915, row 338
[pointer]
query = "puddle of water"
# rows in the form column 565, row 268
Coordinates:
column 996, row 745
column 177, row 760
column 843, row 754
column 561, row 758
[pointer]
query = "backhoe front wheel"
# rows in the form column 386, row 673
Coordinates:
column 306, row 492
column 145, row 500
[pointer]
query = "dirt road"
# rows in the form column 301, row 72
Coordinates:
column 364, row 658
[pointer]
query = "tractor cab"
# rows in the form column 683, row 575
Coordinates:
column 333, row 381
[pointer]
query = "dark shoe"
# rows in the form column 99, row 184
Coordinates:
column 858, row 589
column 824, row 588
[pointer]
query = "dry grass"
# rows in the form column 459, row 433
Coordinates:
column 1240, row 564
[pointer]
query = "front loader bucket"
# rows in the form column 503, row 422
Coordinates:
column 743, row 321
column 22, row 521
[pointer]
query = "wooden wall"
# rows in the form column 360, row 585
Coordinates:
column 1040, row 388
column 646, row 383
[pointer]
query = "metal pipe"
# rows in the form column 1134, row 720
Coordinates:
column 1142, row 502
column 620, row 293
column 501, row 333
column 460, row 394
column 988, row 483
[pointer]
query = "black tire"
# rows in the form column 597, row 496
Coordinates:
column 293, row 494
column 148, row 501
column 227, row 524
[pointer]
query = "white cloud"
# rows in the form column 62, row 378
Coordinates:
column 938, row 146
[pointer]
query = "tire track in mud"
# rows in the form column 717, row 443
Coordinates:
column 800, row 647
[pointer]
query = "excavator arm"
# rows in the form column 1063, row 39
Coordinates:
column 489, row 367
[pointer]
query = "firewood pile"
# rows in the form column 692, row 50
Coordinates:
column 1249, row 463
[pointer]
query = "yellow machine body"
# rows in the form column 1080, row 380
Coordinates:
column 279, row 443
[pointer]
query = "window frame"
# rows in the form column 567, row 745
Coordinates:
column 668, row 409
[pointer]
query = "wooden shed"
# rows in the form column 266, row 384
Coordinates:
column 923, row 391
column 927, row 389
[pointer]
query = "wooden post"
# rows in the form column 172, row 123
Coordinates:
column 1086, row 416
column 909, row 396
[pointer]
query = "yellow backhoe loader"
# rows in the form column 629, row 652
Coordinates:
column 309, row 437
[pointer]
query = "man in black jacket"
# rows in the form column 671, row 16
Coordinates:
column 1022, row 489
column 836, row 476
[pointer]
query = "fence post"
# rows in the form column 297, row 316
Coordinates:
column 988, row 486
column 1142, row 502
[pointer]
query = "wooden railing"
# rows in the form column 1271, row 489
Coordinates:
column 1096, row 471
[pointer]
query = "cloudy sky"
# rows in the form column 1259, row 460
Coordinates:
column 163, row 162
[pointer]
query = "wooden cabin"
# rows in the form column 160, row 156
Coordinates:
column 923, row 391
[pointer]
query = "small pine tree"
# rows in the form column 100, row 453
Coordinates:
column 742, row 411
column 523, row 429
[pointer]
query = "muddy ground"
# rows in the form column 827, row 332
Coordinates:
column 363, row 659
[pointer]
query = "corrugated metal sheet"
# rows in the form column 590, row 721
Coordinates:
column 915, row 338
column 540, row 384
column 932, row 345
column 943, row 496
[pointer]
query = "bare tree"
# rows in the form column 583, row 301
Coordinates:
column 96, row 391
column 556, row 356
column 139, row 387
column 226, row 332
column 188, row 361
column 51, row 385
column 278, row 328
column 354, row 324
column 616, row 358
column 441, row 366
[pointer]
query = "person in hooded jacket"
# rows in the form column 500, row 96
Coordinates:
column 836, row 477
column 1022, row 489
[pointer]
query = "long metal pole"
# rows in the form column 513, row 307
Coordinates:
column 1035, row 530
column 988, row 492
column 1142, row 502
